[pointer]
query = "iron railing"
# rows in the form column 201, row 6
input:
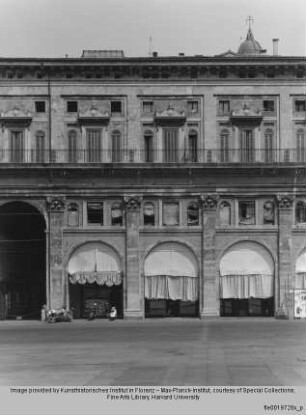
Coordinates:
column 126, row 156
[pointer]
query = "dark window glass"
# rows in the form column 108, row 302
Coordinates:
column 269, row 156
column 94, row 145
column 300, row 105
column 40, row 146
column 246, row 213
column 17, row 149
column 224, row 146
column 72, row 146
column 193, row 106
column 300, row 212
column 149, row 214
column 40, row 106
column 268, row 105
column 116, row 146
column 116, row 107
column 148, row 146
column 148, row 107
column 192, row 214
column 170, row 145
column 193, row 146
column 72, row 106
column 95, row 213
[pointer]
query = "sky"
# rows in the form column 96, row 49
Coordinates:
column 55, row 28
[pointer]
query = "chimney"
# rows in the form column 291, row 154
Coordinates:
column 275, row 46
column 155, row 54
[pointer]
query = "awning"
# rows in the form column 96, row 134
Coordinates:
column 95, row 262
column 246, row 286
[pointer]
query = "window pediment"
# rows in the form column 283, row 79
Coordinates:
column 15, row 116
column 246, row 115
column 171, row 115
column 93, row 116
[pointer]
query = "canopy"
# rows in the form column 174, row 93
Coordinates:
column 95, row 262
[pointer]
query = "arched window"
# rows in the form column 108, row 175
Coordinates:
column 40, row 146
column 225, row 213
column 148, row 214
column 193, row 146
column 269, row 158
column 72, row 146
column 269, row 213
column 148, row 146
column 117, row 216
column 300, row 212
column 116, row 146
column 193, row 214
column 224, row 146
column 73, row 215
column 301, row 146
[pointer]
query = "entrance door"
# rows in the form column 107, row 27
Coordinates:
column 247, row 146
column 170, row 145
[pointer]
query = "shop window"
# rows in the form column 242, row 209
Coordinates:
column 269, row 213
column 301, row 146
column 224, row 146
column 72, row 106
column 269, row 156
column 300, row 105
column 116, row 107
column 72, row 146
column 149, row 214
column 246, row 213
column 148, row 107
column 268, row 105
column 40, row 146
column 300, row 212
column 148, row 146
column 40, row 106
column 193, row 146
column 117, row 216
column 171, row 214
column 224, row 107
column 95, row 213
column 225, row 214
column 73, row 215
column 193, row 106
column 193, row 214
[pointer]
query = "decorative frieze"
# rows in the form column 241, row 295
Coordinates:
column 132, row 202
column 210, row 201
column 56, row 203
column 284, row 201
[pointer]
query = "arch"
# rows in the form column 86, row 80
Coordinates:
column 116, row 146
column 22, row 260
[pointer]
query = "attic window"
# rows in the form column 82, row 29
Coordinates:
column 300, row 105
column 268, row 105
column 116, row 107
column 72, row 106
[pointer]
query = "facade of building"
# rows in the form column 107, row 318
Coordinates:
column 163, row 186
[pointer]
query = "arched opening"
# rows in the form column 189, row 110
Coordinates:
column 171, row 282
column 95, row 280
column 22, row 261
column 247, row 281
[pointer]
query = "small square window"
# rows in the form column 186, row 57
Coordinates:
column 40, row 106
column 246, row 213
column 95, row 213
column 268, row 105
column 148, row 107
column 116, row 107
column 300, row 105
column 72, row 106
column 193, row 106
column 224, row 106
column 170, row 214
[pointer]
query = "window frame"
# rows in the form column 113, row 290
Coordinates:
column 167, row 203
column 254, row 209
column 224, row 107
column 101, row 222
column 113, row 105
column 144, row 215
column 40, row 107
column 266, row 103
column 72, row 107
column 300, row 105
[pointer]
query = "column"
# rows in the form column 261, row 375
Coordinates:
column 132, row 289
column 210, row 290
column 284, row 281
column 56, row 207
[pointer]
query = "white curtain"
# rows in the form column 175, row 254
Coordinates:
column 300, row 281
column 171, row 287
column 246, row 286
column 108, row 278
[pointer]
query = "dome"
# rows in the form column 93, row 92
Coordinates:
column 250, row 46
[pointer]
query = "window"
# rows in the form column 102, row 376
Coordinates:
column 269, row 156
column 171, row 214
column 301, row 146
column 40, row 146
column 268, row 213
column 193, row 106
column 225, row 214
column 40, row 106
column 72, row 106
column 94, row 147
column 300, row 105
column 72, row 146
column 149, row 214
column 117, row 217
column 73, row 215
column 148, row 107
column 193, row 146
column 224, row 146
column 170, row 145
column 116, row 107
column 224, row 107
column 116, row 146
column 300, row 212
column 268, row 105
column 247, row 146
column 148, row 146
column 246, row 213
column 17, row 146
column 193, row 214
column 95, row 213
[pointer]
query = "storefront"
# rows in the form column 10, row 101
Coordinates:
column 171, row 282
column 247, row 281
column 95, row 280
